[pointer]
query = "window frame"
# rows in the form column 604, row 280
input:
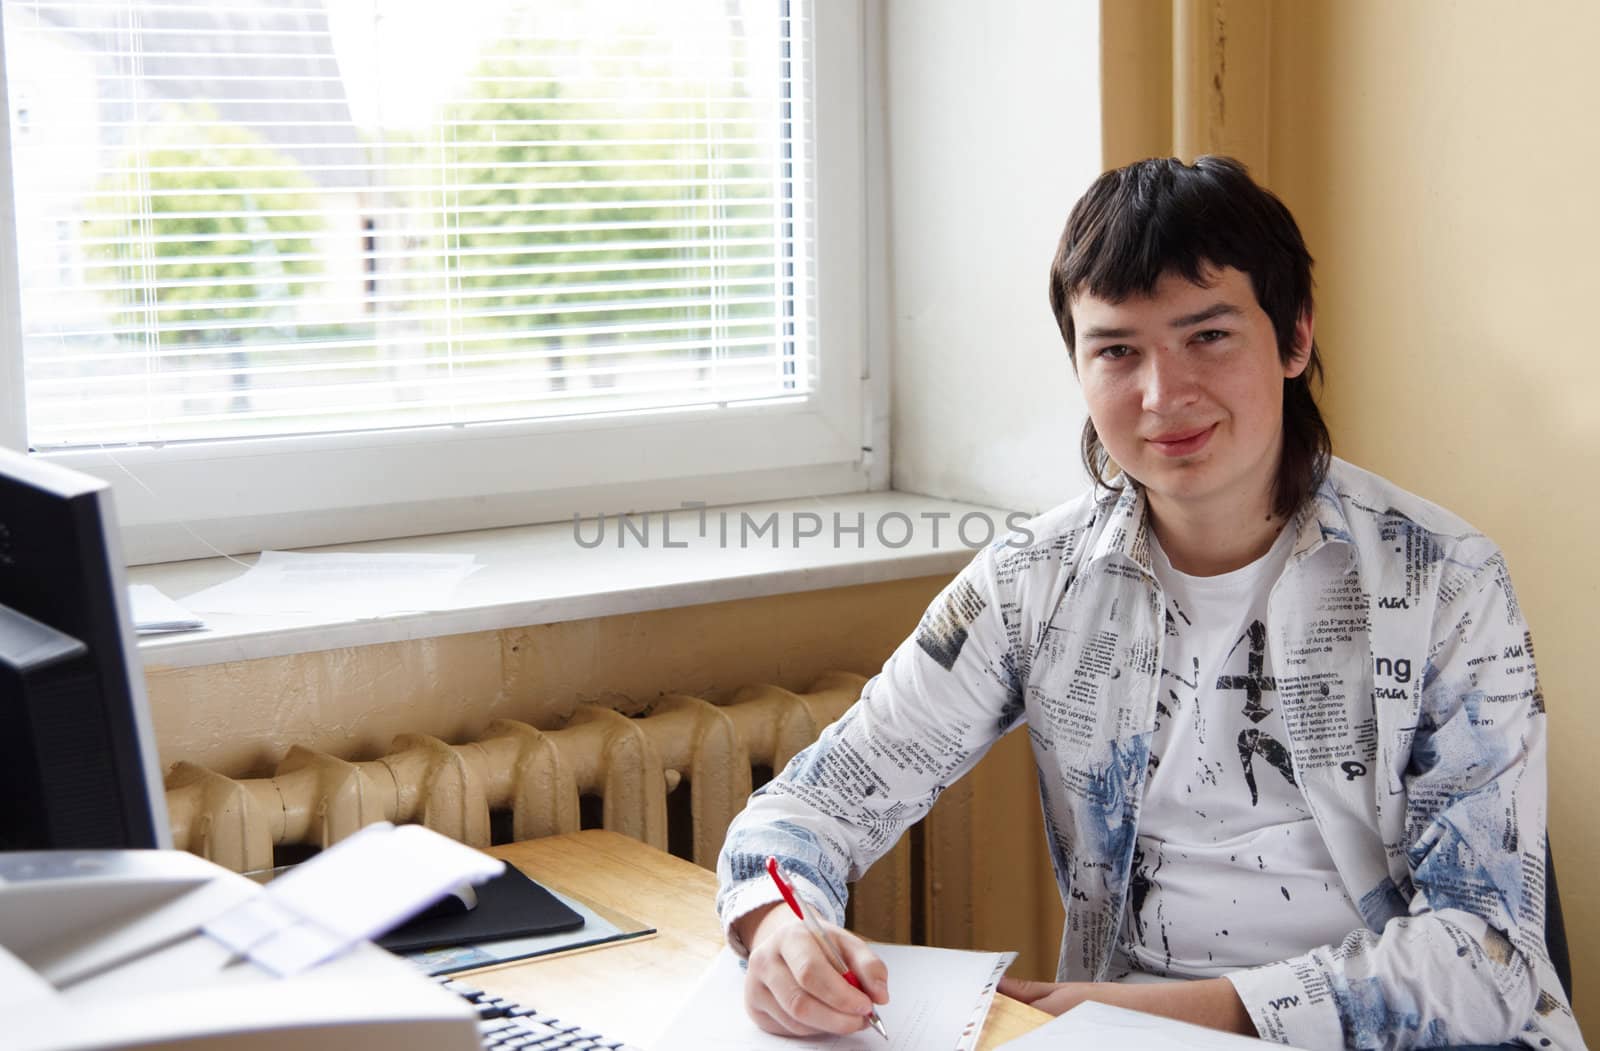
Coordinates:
column 194, row 499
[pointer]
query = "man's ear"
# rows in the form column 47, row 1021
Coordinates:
column 1300, row 357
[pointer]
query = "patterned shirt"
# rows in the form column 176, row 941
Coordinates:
column 1415, row 729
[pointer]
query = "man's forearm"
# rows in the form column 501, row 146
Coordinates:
column 1211, row 1002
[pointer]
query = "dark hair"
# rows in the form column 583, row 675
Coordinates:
column 1161, row 216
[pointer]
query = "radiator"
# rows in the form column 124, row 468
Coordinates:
column 674, row 776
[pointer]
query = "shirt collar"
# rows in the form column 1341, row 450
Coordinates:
column 1125, row 529
column 1322, row 521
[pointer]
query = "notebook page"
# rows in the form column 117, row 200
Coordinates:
column 937, row 1002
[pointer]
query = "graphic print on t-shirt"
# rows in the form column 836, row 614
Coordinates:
column 1254, row 742
column 1256, row 684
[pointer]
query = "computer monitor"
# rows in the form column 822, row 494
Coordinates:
column 78, row 763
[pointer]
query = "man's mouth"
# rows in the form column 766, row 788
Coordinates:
column 1184, row 442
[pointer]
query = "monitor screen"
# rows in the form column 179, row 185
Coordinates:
column 78, row 763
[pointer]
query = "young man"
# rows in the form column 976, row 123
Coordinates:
column 1290, row 740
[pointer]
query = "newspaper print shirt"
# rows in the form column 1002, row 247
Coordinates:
column 1428, row 788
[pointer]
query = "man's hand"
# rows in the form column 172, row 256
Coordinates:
column 1057, row 997
column 1211, row 1002
column 791, row 989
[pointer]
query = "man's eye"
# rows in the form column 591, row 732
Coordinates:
column 1211, row 335
column 1113, row 353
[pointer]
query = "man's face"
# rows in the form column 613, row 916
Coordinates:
column 1185, row 388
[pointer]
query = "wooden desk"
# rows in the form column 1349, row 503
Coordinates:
column 630, row 991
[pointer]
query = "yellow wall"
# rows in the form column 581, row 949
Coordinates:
column 1442, row 159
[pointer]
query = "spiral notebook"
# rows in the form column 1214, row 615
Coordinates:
column 938, row 999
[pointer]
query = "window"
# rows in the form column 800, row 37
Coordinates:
column 294, row 273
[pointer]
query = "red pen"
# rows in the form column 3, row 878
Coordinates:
column 823, row 940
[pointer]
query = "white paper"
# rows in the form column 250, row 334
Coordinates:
column 154, row 612
column 357, row 889
column 1102, row 1026
column 21, row 987
column 350, row 585
column 938, row 999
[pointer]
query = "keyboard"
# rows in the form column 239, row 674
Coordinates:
column 505, row 1024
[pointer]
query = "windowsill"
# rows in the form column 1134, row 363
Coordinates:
column 541, row 574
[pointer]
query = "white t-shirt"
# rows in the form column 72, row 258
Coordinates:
column 1229, row 869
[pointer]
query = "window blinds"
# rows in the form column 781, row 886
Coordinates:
column 258, row 217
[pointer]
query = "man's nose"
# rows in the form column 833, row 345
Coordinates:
column 1168, row 382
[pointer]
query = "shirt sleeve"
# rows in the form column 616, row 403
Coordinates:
column 942, row 699
column 1466, row 963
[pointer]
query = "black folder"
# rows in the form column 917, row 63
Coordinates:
column 509, row 906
